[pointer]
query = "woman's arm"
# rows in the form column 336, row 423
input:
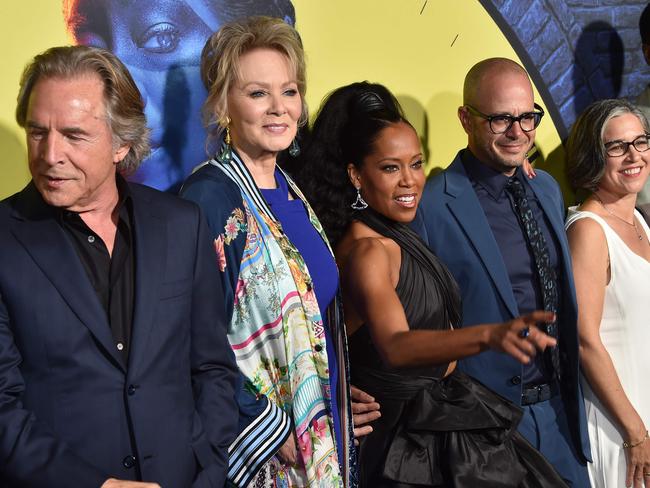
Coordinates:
column 590, row 258
column 368, row 287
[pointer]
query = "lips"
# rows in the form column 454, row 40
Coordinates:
column 512, row 148
column 276, row 128
column 631, row 171
column 55, row 181
column 408, row 201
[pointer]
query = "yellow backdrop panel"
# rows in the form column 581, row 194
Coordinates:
column 419, row 49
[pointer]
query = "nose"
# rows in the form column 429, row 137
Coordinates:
column 514, row 132
column 50, row 149
column 149, row 85
column 633, row 153
column 407, row 180
column 277, row 105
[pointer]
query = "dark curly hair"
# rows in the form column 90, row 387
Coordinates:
column 345, row 130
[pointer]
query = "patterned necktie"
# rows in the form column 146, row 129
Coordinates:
column 545, row 272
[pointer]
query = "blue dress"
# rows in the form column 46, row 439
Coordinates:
column 322, row 268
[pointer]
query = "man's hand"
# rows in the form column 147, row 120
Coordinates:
column 113, row 483
column 364, row 410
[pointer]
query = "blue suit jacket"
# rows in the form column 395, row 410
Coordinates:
column 451, row 220
column 71, row 410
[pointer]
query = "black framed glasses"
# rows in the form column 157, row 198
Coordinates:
column 500, row 123
column 619, row 148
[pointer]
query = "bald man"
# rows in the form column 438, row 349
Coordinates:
column 502, row 237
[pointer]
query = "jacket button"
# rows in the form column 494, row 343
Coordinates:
column 128, row 462
column 131, row 390
column 318, row 348
column 515, row 380
column 309, row 287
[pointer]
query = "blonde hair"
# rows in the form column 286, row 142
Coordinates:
column 220, row 63
column 123, row 102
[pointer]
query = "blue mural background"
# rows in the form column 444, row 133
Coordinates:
column 576, row 51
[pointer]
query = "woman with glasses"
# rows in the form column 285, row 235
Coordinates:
column 607, row 155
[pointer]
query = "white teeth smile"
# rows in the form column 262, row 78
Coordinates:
column 632, row 171
column 406, row 199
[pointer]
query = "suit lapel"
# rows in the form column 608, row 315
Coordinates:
column 467, row 210
column 150, row 258
column 36, row 228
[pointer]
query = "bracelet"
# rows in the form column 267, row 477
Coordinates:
column 628, row 445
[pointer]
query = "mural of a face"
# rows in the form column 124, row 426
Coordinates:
column 160, row 41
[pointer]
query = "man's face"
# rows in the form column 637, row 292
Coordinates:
column 500, row 93
column 70, row 147
column 160, row 42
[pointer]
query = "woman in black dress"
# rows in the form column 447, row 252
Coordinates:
column 364, row 174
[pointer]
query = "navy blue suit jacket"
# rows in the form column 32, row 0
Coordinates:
column 71, row 411
column 451, row 220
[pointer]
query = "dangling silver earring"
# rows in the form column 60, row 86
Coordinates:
column 226, row 151
column 359, row 203
column 294, row 148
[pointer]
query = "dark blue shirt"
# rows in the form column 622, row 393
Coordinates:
column 497, row 203
column 322, row 268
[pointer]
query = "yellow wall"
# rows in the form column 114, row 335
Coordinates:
column 421, row 54
column 27, row 27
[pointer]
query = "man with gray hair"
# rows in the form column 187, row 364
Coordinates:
column 115, row 369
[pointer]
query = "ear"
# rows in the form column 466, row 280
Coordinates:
column 120, row 153
column 646, row 52
column 353, row 174
column 465, row 119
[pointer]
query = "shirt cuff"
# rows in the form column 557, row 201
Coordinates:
column 257, row 443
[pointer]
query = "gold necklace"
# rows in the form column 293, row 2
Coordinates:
column 633, row 224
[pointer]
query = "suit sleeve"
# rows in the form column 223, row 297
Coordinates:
column 214, row 372
column 30, row 454
column 262, row 425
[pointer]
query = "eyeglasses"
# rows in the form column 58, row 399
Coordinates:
column 619, row 148
column 501, row 123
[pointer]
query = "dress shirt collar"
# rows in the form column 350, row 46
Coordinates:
column 124, row 201
column 491, row 180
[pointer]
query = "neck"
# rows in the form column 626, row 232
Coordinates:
column 261, row 165
column 622, row 206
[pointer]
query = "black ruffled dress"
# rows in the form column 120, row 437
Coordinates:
column 436, row 431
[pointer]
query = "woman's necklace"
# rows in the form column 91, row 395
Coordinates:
column 633, row 224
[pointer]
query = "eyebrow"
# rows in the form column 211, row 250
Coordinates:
column 398, row 160
column 266, row 85
column 65, row 130
column 622, row 140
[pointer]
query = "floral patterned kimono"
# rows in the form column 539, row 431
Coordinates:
column 277, row 334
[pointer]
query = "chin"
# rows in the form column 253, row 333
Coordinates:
column 57, row 200
column 279, row 146
column 401, row 216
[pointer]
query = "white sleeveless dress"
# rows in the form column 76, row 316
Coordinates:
column 625, row 332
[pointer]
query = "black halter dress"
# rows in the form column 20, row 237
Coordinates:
column 436, row 431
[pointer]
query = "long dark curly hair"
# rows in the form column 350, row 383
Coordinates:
column 345, row 129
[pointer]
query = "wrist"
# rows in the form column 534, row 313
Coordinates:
column 634, row 442
column 633, row 429
column 484, row 333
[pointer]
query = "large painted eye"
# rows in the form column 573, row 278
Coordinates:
column 160, row 38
